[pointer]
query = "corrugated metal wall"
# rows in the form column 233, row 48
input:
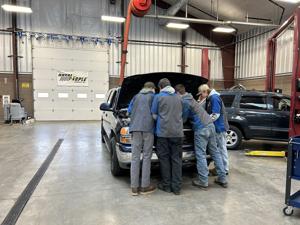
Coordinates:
column 250, row 55
column 76, row 17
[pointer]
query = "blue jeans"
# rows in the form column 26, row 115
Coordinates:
column 221, row 142
column 203, row 138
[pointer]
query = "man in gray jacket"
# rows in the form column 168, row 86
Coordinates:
column 142, row 129
column 167, row 110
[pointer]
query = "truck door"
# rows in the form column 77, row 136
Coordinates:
column 254, row 109
column 281, row 116
column 108, row 115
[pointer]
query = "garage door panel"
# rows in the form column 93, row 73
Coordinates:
column 69, row 102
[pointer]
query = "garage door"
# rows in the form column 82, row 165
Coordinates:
column 69, row 83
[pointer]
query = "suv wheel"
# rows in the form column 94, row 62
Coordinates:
column 114, row 162
column 234, row 138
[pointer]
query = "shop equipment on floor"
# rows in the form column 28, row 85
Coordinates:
column 293, row 173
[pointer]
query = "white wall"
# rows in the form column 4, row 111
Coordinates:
column 76, row 17
column 250, row 54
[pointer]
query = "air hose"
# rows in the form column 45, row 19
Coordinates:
column 139, row 8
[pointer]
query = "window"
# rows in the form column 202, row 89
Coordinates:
column 227, row 100
column 63, row 95
column 281, row 103
column 43, row 95
column 81, row 95
column 102, row 96
column 254, row 102
column 111, row 99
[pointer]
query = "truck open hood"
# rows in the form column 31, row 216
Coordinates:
column 133, row 84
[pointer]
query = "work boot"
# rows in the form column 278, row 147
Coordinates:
column 176, row 192
column 134, row 191
column 197, row 183
column 148, row 190
column 222, row 184
column 163, row 188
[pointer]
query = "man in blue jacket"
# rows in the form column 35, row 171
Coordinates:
column 204, row 137
column 142, row 129
column 167, row 110
column 216, row 109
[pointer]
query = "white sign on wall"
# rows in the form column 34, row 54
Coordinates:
column 5, row 99
column 75, row 78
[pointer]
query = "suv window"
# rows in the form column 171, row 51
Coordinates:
column 111, row 98
column 227, row 100
column 281, row 103
column 254, row 102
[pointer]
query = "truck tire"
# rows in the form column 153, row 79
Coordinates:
column 234, row 138
column 114, row 162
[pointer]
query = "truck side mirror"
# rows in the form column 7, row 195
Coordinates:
column 105, row 107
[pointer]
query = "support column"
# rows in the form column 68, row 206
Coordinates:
column 183, row 51
column 15, row 52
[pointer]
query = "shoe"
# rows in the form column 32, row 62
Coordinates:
column 134, row 191
column 148, row 190
column 197, row 183
column 163, row 188
column 213, row 172
column 222, row 184
column 176, row 192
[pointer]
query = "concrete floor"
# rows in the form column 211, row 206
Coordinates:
column 79, row 189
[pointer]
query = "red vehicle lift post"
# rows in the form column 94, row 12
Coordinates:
column 205, row 64
column 294, row 127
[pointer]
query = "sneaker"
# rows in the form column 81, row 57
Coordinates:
column 134, row 191
column 222, row 184
column 163, row 188
column 213, row 172
column 197, row 183
column 148, row 190
column 176, row 192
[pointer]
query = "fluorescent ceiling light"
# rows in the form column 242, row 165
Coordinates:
column 113, row 19
column 224, row 29
column 16, row 8
column 178, row 25
column 289, row 1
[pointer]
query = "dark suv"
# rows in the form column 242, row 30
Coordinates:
column 256, row 115
column 115, row 122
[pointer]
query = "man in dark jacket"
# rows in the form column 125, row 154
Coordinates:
column 204, row 137
column 142, row 129
column 167, row 110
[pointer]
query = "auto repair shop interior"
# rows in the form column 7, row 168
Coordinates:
column 80, row 81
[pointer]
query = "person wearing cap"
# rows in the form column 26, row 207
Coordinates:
column 204, row 137
column 142, row 130
column 215, row 107
column 167, row 110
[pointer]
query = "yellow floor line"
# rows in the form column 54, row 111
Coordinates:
column 266, row 153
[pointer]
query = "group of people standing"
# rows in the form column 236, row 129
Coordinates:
column 163, row 115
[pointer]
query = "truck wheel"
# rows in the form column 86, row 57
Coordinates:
column 234, row 138
column 114, row 162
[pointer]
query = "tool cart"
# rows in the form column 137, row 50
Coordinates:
column 293, row 173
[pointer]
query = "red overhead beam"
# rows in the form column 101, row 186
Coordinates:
column 205, row 64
